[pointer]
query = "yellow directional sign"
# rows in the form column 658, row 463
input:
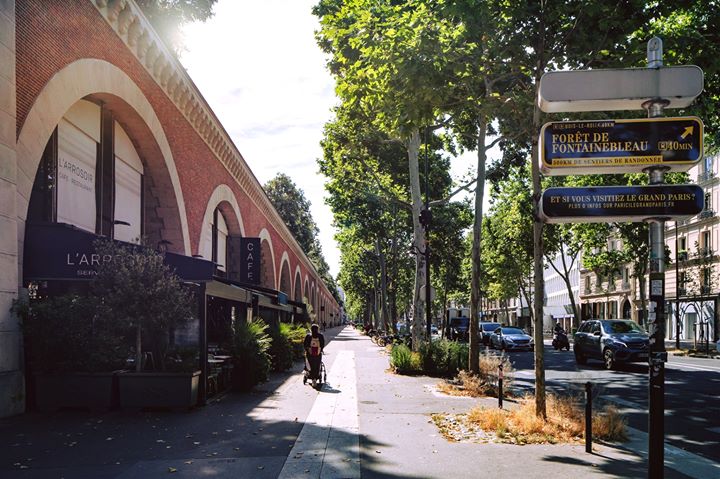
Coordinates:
column 620, row 146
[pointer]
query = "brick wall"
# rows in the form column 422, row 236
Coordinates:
column 52, row 35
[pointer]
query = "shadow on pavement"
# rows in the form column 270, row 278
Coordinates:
column 613, row 467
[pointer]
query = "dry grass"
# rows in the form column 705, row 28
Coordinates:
column 564, row 423
column 485, row 383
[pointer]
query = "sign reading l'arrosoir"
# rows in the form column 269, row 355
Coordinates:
column 620, row 146
column 602, row 204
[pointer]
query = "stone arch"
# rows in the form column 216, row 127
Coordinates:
column 102, row 81
column 267, row 268
column 298, row 296
column 224, row 199
column 285, row 280
column 306, row 289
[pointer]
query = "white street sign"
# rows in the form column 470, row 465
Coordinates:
column 618, row 89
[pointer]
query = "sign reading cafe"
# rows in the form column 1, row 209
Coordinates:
column 250, row 254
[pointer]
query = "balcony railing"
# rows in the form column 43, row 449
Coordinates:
column 706, row 175
column 706, row 213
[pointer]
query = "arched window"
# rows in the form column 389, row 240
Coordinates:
column 90, row 176
column 220, row 241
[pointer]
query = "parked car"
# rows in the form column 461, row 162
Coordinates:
column 612, row 341
column 486, row 330
column 459, row 328
column 433, row 329
column 511, row 339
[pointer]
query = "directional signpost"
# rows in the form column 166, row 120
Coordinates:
column 654, row 145
column 620, row 146
column 602, row 204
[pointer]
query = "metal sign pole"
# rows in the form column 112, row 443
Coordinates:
column 656, row 307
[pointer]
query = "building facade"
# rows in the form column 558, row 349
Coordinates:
column 692, row 276
column 103, row 134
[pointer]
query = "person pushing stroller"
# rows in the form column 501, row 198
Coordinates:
column 314, row 344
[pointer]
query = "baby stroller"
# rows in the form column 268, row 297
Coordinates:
column 317, row 376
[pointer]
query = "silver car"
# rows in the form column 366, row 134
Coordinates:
column 509, row 338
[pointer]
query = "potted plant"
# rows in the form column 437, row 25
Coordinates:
column 251, row 354
column 73, row 353
column 136, row 288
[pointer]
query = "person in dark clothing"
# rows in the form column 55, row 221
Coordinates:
column 314, row 344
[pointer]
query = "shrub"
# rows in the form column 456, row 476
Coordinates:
column 296, row 335
column 443, row 357
column 281, row 352
column 66, row 334
column 403, row 360
column 251, row 357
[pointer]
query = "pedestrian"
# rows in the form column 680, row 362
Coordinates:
column 314, row 344
column 324, row 324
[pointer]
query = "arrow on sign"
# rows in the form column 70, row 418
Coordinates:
column 688, row 131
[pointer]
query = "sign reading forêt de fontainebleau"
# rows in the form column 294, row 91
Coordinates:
column 620, row 146
column 600, row 204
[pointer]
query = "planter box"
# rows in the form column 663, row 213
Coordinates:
column 94, row 391
column 158, row 390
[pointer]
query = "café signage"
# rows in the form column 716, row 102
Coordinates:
column 250, row 258
column 57, row 251
column 620, row 146
column 602, row 204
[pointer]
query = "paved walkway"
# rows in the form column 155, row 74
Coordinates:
column 365, row 422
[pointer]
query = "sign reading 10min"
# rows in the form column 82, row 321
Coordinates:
column 620, row 146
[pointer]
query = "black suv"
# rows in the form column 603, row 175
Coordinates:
column 611, row 341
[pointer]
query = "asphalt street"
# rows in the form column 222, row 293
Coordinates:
column 692, row 388
column 364, row 422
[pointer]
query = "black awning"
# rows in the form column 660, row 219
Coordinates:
column 58, row 251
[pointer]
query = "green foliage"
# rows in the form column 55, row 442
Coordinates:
column 443, row 357
column 294, row 209
column 66, row 334
column 168, row 15
column 404, row 361
column 295, row 333
column 137, row 290
column 287, row 345
column 251, row 354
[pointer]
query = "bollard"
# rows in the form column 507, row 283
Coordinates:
column 500, row 386
column 588, row 417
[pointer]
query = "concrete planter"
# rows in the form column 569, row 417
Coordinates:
column 94, row 391
column 158, row 390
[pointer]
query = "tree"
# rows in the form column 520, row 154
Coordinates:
column 168, row 15
column 387, row 59
column 135, row 287
column 294, row 209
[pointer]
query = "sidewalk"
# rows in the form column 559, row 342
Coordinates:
column 365, row 422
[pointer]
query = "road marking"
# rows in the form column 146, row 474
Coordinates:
column 694, row 366
column 329, row 444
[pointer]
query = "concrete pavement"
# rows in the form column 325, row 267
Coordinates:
column 365, row 422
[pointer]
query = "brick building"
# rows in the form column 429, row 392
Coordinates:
column 102, row 133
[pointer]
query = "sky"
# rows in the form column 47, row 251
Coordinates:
column 258, row 66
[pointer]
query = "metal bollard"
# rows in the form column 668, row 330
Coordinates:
column 588, row 417
column 500, row 385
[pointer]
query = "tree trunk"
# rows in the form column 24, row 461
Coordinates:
column 413, row 150
column 474, row 359
column 383, row 286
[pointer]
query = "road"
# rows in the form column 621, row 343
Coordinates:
column 692, row 393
